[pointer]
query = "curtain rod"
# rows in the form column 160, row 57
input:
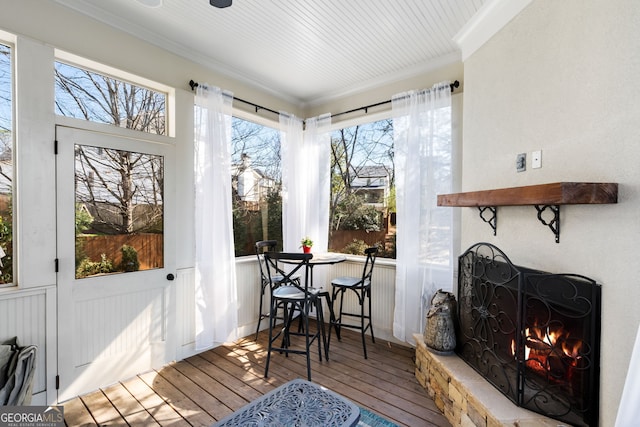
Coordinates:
column 453, row 85
column 194, row 85
column 256, row 106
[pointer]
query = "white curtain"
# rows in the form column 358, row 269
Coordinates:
column 215, row 287
column 317, row 146
column 294, row 183
column 306, row 172
column 629, row 410
column 423, row 151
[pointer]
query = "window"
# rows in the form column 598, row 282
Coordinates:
column 6, row 166
column 95, row 97
column 256, row 185
column 119, row 211
column 119, row 194
column 362, row 207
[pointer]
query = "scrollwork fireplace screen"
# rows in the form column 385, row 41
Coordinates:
column 534, row 335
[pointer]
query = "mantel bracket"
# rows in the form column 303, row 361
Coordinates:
column 554, row 224
column 491, row 220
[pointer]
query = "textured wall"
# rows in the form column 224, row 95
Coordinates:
column 562, row 77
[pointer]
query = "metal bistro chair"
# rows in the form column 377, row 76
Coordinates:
column 361, row 286
column 278, row 279
column 295, row 297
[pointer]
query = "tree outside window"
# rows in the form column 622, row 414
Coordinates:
column 362, row 211
column 6, row 166
column 88, row 95
column 256, row 185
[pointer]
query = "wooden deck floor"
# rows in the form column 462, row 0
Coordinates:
column 207, row 387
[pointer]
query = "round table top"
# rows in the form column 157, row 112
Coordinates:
column 321, row 258
column 327, row 258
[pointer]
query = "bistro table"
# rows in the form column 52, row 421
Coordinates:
column 325, row 258
column 295, row 404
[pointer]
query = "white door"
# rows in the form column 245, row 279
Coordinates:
column 113, row 325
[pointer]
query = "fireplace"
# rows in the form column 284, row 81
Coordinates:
column 533, row 335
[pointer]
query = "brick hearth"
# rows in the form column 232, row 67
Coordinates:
column 465, row 398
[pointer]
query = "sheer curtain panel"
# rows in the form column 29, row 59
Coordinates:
column 306, row 173
column 294, row 182
column 423, row 152
column 215, row 268
column 317, row 145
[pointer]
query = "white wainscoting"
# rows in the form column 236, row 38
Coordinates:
column 30, row 316
column 248, row 283
column 382, row 293
column 127, row 322
column 185, row 313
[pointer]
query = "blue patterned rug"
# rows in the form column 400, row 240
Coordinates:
column 369, row 419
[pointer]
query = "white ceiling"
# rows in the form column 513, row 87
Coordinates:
column 302, row 50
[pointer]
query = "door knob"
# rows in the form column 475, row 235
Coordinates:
column 170, row 276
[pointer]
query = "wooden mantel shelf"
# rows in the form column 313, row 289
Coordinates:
column 545, row 197
column 558, row 193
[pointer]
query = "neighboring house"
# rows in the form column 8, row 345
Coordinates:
column 107, row 218
column 250, row 184
column 372, row 184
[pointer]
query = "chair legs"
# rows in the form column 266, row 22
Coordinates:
column 261, row 315
column 286, row 332
column 362, row 293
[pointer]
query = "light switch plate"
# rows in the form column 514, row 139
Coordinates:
column 536, row 159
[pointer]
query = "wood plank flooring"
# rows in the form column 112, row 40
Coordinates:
column 209, row 386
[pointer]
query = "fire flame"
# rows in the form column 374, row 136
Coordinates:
column 550, row 351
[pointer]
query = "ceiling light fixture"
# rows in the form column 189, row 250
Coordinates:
column 220, row 3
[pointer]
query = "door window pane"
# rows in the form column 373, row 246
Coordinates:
column 84, row 94
column 119, row 211
column 256, row 185
column 362, row 211
column 6, row 167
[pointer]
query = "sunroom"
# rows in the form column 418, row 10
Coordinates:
column 552, row 80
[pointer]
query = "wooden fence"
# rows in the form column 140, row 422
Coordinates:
column 149, row 247
column 341, row 238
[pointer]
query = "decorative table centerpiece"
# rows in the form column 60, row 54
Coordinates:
column 306, row 243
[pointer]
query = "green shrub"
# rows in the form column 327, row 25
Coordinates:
column 356, row 247
column 83, row 219
column 6, row 241
column 129, row 259
column 91, row 268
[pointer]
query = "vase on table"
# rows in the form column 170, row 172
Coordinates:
column 305, row 244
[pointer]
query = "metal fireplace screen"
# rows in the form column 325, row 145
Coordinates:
column 535, row 336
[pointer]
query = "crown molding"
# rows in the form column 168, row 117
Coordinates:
column 490, row 19
column 394, row 77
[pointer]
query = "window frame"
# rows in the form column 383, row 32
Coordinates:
column 124, row 76
column 9, row 40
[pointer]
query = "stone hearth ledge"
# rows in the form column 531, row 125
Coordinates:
column 465, row 398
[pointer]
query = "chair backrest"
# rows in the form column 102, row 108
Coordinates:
column 297, row 262
column 261, row 247
column 367, row 271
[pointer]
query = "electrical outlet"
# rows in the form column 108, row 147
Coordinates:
column 521, row 162
column 536, row 159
